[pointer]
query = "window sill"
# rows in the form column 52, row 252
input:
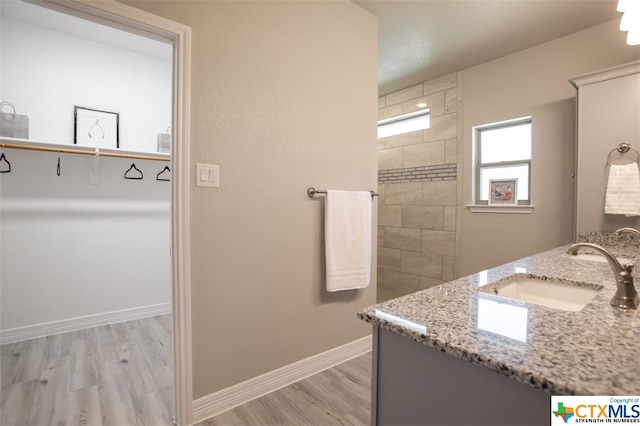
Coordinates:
column 522, row 209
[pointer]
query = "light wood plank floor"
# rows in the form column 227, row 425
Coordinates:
column 118, row 374
column 121, row 375
column 338, row 396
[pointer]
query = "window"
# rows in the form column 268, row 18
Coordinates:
column 503, row 151
column 405, row 123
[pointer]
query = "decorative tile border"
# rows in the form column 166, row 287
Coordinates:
column 419, row 174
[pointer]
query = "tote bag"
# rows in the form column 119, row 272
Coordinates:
column 13, row 125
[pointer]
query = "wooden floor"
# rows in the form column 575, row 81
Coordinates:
column 338, row 396
column 121, row 375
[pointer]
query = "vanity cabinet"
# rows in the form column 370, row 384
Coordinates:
column 453, row 355
column 608, row 114
column 415, row 384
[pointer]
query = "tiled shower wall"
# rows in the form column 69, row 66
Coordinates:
column 417, row 181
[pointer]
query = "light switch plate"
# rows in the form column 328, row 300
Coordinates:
column 207, row 175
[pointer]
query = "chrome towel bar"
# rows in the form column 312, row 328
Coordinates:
column 311, row 192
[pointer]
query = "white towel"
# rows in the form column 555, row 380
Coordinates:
column 347, row 234
column 623, row 190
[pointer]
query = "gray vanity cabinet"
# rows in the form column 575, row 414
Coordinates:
column 415, row 384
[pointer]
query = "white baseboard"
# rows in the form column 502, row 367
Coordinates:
column 19, row 334
column 226, row 399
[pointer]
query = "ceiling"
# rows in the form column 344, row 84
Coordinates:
column 417, row 39
column 422, row 39
column 34, row 14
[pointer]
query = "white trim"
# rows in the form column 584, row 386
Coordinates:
column 119, row 15
column 606, row 74
column 34, row 331
column 521, row 209
column 226, row 399
column 48, row 206
column 181, row 231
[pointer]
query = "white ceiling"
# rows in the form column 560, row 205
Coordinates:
column 417, row 39
column 32, row 14
column 422, row 39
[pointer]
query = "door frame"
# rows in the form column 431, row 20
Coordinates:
column 127, row 18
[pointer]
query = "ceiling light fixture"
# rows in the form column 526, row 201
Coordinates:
column 630, row 21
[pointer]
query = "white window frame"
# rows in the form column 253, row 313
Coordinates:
column 477, row 136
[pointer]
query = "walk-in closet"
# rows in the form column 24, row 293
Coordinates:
column 85, row 221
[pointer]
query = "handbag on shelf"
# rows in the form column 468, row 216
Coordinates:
column 164, row 141
column 13, row 125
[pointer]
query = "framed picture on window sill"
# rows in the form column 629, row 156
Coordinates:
column 96, row 128
column 503, row 191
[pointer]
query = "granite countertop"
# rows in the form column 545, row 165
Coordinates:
column 594, row 351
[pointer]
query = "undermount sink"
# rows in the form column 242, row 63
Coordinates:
column 599, row 258
column 557, row 294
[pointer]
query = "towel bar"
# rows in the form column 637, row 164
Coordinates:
column 311, row 192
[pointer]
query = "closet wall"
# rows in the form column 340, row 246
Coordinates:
column 75, row 251
column 46, row 72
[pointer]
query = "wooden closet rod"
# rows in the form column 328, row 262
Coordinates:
column 83, row 152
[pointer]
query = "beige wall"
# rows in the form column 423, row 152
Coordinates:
column 418, row 180
column 532, row 82
column 283, row 98
column 426, row 234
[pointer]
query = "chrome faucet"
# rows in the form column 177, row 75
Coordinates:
column 626, row 296
column 627, row 231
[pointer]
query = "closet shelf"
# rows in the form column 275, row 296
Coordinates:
column 83, row 150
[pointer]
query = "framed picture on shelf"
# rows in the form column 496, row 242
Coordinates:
column 96, row 128
column 503, row 191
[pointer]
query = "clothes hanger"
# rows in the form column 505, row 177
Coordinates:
column 166, row 179
column 133, row 169
column 4, row 160
column 58, row 167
